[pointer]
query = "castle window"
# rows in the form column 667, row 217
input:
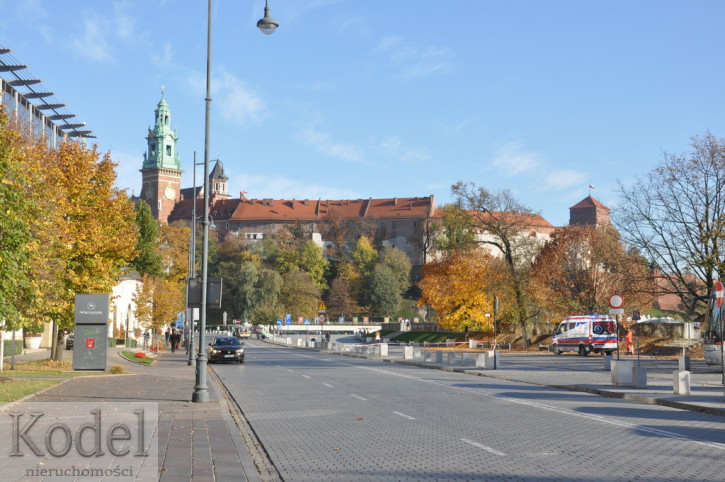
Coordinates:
column 153, row 149
column 168, row 150
column 166, row 120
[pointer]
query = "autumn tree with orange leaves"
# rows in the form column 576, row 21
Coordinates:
column 459, row 288
column 580, row 267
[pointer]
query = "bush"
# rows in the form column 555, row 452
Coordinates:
column 140, row 355
column 117, row 370
column 9, row 347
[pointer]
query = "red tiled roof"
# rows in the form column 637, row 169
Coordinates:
column 589, row 202
column 305, row 210
column 529, row 220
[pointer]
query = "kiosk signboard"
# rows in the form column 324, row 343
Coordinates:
column 90, row 349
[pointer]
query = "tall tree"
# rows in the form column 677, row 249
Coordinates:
column 675, row 216
column 148, row 260
column 460, row 288
column 340, row 302
column 383, row 291
column 580, row 267
column 300, row 295
column 502, row 224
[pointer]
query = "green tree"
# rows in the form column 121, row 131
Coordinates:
column 16, row 249
column 300, row 294
column 458, row 233
column 148, row 260
column 364, row 256
column 399, row 263
column 384, row 291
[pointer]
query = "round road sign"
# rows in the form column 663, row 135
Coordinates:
column 719, row 293
column 616, row 301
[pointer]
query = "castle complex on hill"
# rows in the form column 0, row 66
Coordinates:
column 399, row 221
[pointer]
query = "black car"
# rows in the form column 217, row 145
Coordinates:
column 225, row 348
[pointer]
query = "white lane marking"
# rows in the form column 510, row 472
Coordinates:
column 359, row 397
column 404, row 415
column 601, row 419
column 484, row 447
column 328, row 385
column 290, row 370
column 305, row 376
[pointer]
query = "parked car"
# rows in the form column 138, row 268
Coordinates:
column 225, row 348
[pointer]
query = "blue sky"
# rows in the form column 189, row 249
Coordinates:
column 370, row 98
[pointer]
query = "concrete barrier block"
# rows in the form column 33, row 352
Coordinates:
column 608, row 363
column 451, row 358
column 417, row 354
column 492, row 360
column 472, row 343
column 481, row 360
column 681, row 382
column 639, row 377
column 384, row 349
column 622, row 373
column 439, row 356
column 450, row 343
column 407, row 352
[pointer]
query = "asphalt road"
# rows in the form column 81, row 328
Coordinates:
column 329, row 417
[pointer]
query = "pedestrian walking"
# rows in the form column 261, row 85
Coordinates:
column 168, row 336
column 146, row 337
column 628, row 342
column 174, row 340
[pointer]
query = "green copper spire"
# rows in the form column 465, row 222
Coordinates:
column 162, row 140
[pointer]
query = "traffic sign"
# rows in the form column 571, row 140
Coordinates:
column 616, row 301
column 279, row 322
column 307, row 321
column 719, row 293
column 288, row 322
column 288, row 318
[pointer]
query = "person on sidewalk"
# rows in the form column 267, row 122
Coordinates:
column 173, row 339
column 628, row 342
column 168, row 336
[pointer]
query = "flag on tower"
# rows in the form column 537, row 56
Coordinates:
column 591, row 187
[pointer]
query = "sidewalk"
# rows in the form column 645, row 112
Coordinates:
column 198, row 441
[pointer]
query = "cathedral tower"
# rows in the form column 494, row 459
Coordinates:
column 161, row 172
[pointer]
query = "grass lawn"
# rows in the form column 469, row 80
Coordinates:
column 33, row 376
column 12, row 389
column 131, row 355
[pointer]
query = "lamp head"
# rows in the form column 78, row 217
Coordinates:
column 267, row 25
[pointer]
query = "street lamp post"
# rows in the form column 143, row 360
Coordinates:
column 267, row 25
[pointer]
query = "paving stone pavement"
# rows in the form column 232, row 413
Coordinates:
column 197, row 441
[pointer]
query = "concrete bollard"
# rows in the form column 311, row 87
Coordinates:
column 472, row 343
column 417, row 354
column 427, row 355
column 622, row 373
column 683, row 363
column 639, row 377
column 681, row 382
column 493, row 360
column 439, row 356
column 608, row 363
column 407, row 352
column 383, row 349
column 481, row 360
column 313, row 344
column 451, row 358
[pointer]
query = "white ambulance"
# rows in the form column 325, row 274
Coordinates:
column 585, row 334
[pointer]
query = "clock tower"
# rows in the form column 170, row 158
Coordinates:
column 161, row 172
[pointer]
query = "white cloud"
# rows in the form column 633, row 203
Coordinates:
column 395, row 148
column 563, row 179
column 239, row 104
column 279, row 187
column 324, row 143
column 514, row 161
column 102, row 35
column 415, row 62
